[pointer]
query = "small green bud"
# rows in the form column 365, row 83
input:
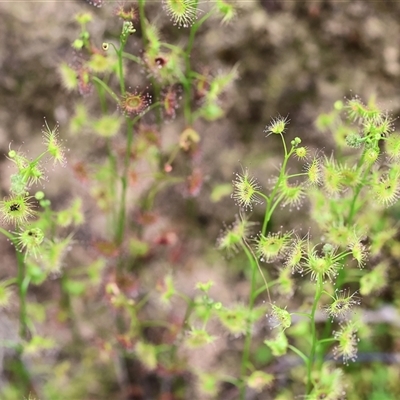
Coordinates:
column 217, row 305
column 204, row 286
column 45, row 203
column 328, row 249
column 354, row 140
column 39, row 195
column 128, row 28
column 77, row 44
column 83, row 18
column 338, row 105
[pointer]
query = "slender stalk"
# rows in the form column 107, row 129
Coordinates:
column 355, row 197
column 142, row 18
column 131, row 57
column 310, row 364
column 299, row 353
column 7, row 234
column 22, row 283
column 185, row 325
column 121, row 223
column 270, row 205
column 66, row 304
column 106, row 88
column 247, row 342
column 121, row 66
column 188, row 83
column 124, row 183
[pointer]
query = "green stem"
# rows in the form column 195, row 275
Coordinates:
column 154, row 83
column 121, row 223
column 25, row 384
column 131, row 57
column 66, row 304
column 357, row 191
column 185, row 326
column 106, row 88
column 328, row 340
column 160, row 184
column 121, row 66
column 7, row 234
column 299, row 353
column 100, row 92
column 263, row 288
column 187, row 84
column 247, row 342
column 124, row 183
column 23, row 284
column 310, row 364
column 270, row 206
column 302, row 314
column 142, row 18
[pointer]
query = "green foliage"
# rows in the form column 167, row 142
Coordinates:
column 342, row 191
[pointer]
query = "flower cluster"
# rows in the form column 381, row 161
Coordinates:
column 18, row 208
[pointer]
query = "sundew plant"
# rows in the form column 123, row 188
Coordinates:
column 36, row 232
column 348, row 192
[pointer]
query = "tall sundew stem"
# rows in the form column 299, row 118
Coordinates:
column 273, row 207
column 247, row 341
column 184, row 327
column 7, row 234
column 131, row 57
column 113, row 215
column 155, row 85
column 270, row 206
column 311, row 360
column 142, row 17
column 106, row 87
column 187, row 83
column 284, row 146
column 356, row 194
column 23, row 284
column 101, row 88
column 124, row 183
column 130, row 123
column 120, row 55
column 22, row 281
